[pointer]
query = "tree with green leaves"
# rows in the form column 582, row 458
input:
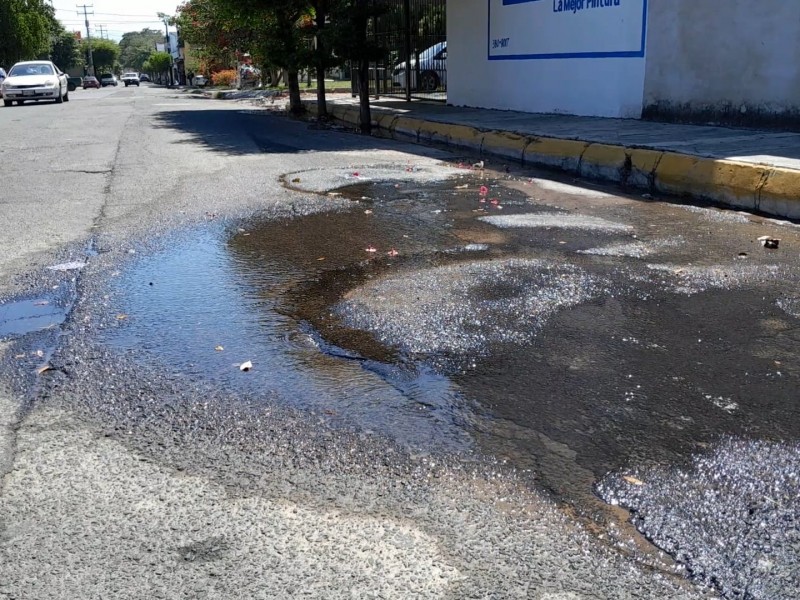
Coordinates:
column 213, row 33
column 159, row 62
column 65, row 50
column 135, row 47
column 105, row 54
column 350, row 40
column 25, row 29
column 284, row 44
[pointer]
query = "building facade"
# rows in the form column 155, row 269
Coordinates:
column 674, row 59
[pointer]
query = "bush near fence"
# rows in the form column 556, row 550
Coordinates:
column 224, row 78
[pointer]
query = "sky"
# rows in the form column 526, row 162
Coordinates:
column 112, row 18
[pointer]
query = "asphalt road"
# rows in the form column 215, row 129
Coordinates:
column 123, row 479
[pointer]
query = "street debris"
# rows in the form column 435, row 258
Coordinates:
column 246, row 366
column 67, row 266
column 769, row 242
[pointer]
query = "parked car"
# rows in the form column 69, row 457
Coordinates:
column 144, row 77
column 2, row 77
column 108, row 79
column 199, row 81
column 74, row 83
column 35, row 80
column 90, row 81
column 130, row 79
column 432, row 70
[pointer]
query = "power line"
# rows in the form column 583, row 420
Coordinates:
column 112, row 21
column 103, row 14
column 88, row 34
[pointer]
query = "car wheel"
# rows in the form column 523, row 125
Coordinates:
column 8, row 102
column 20, row 102
column 59, row 98
column 429, row 81
column 71, row 87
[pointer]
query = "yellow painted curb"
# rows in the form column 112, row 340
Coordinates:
column 407, row 126
column 436, row 132
column 352, row 116
column 745, row 185
column 503, row 143
column 643, row 166
column 602, row 161
column 385, row 120
column 731, row 182
column 553, row 152
column 780, row 193
column 464, row 136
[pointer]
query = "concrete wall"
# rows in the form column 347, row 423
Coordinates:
column 525, row 74
column 731, row 61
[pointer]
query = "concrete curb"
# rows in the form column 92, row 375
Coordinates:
column 750, row 186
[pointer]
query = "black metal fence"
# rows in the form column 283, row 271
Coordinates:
column 414, row 36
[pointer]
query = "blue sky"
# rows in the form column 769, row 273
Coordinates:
column 114, row 17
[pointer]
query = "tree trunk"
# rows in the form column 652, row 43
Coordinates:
column 322, row 105
column 293, row 82
column 365, row 114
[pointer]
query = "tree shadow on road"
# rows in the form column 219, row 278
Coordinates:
column 253, row 131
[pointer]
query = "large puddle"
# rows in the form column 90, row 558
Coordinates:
column 572, row 337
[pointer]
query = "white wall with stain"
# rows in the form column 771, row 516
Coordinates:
column 737, row 54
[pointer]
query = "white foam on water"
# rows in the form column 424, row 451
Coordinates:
column 565, row 188
column 562, row 221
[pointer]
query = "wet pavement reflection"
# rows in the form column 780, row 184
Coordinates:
column 570, row 335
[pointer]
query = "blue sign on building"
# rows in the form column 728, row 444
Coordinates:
column 547, row 29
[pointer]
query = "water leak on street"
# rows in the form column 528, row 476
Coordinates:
column 567, row 334
column 20, row 317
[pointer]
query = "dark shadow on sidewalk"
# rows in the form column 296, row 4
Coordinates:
column 253, row 131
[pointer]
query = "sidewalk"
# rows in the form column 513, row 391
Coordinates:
column 756, row 170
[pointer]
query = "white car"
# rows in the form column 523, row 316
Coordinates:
column 35, row 80
column 130, row 79
column 432, row 70
column 199, row 81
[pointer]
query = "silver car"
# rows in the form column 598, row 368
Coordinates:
column 432, row 70
column 35, row 80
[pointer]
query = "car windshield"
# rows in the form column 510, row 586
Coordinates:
column 35, row 69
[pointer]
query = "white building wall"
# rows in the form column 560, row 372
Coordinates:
column 716, row 57
column 526, row 71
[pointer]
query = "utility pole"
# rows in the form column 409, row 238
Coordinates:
column 166, row 18
column 102, row 28
column 88, row 34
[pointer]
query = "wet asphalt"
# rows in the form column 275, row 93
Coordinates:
column 440, row 386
